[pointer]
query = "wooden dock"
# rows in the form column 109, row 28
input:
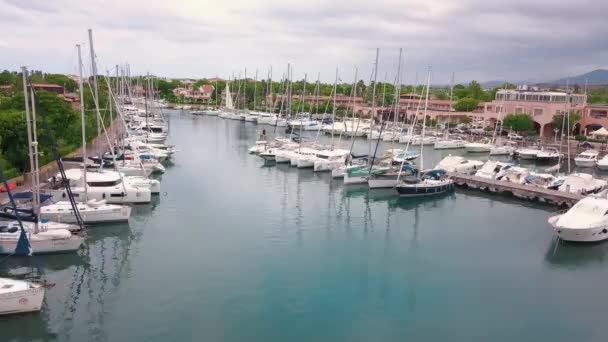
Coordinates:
column 533, row 193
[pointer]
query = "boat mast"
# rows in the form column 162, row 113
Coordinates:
column 245, row 104
column 84, row 139
column 371, row 127
column 451, row 97
column 426, row 105
column 27, row 118
column 333, row 112
column 568, row 120
column 255, row 88
column 398, row 83
column 94, row 71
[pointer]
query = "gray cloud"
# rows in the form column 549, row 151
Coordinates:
column 476, row 39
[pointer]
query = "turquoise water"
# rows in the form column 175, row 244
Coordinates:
column 235, row 250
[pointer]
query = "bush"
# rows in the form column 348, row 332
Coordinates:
column 580, row 138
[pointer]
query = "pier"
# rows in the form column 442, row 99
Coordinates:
column 559, row 198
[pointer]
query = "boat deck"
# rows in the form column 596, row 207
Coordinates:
column 559, row 198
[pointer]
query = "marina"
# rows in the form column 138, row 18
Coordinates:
column 312, row 241
column 286, row 171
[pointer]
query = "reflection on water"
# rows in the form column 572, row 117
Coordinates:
column 576, row 255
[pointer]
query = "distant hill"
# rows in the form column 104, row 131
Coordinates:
column 595, row 77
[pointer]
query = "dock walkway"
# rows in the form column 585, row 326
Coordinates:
column 556, row 197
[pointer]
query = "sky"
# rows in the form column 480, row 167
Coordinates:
column 514, row 40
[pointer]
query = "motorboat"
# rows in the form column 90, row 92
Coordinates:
column 587, row 158
column 513, row 174
column 477, row 147
column 548, row 154
column 542, row 180
column 582, row 183
column 602, row 164
column 19, row 296
column 502, row 150
column 459, row 165
column 449, row 144
column 527, row 153
column 586, row 221
column 433, row 182
column 259, row 147
column 268, row 154
column 491, row 168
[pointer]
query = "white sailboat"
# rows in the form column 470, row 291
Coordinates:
column 93, row 211
column 19, row 296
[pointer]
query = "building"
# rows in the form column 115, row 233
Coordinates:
column 189, row 93
column 541, row 105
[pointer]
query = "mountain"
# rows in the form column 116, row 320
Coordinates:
column 595, row 77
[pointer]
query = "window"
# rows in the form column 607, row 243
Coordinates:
column 538, row 111
column 106, row 183
column 519, row 110
column 499, row 109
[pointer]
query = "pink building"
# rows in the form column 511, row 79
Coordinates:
column 541, row 105
column 200, row 94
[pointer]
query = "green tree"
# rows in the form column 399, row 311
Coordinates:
column 67, row 83
column 573, row 117
column 7, row 78
column 519, row 122
column 466, row 104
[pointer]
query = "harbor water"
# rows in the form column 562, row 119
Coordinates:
column 237, row 250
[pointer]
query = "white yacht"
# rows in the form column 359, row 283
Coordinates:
column 587, row 158
column 502, row 150
column 459, row 165
column 602, row 164
column 449, row 144
column 527, row 153
column 259, row 147
column 548, row 154
column 18, row 296
column 107, row 185
column 582, row 183
column 490, row 169
column 477, row 147
column 586, row 221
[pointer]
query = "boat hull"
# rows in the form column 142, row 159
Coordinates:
column 7, row 246
column 91, row 215
column 29, row 300
column 413, row 190
column 579, row 235
column 382, row 183
column 584, row 163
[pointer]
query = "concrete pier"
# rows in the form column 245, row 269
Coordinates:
column 559, row 198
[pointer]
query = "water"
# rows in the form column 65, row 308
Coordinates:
column 234, row 250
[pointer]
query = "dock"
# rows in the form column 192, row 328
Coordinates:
column 533, row 193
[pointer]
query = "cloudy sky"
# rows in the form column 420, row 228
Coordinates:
column 476, row 39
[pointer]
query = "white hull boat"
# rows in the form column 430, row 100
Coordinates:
column 53, row 241
column 586, row 221
column 90, row 212
column 17, row 296
column 586, row 159
column 477, row 147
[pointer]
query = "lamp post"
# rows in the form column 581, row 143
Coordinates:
column 555, row 130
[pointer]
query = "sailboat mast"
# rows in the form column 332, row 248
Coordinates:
column 426, row 105
column 398, row 83
column 255, row 87
column 35, row 153
column 27, row 117
column 333, row 112
column 568, row 120
column 84, row 139
column 245, row 104
column 371, row 127
column 94, row 71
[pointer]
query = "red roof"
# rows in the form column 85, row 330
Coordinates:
column 207, row 88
